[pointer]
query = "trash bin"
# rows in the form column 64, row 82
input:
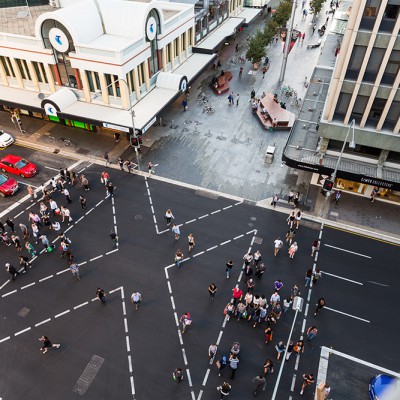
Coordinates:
column 269, row 154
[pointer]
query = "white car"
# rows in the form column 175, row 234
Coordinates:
column 5, row 139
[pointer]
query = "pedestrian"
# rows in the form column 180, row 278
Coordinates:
column 136, row 299
column 177, row 375
column 53, row 184
column 104, row 178
column 45, row 241
column 260, row 315
column 293, row 250
column 314, row 247
column 101, row 295
column 11, row 225
column 186, row 321
column 191, row 242
column 31, row 192
column 53, row 207
column 260, row 269
column 313, row 28
column 290, row 197
column 248, row 258
column 230, row 99
column 290, row 236
column 278, row 285
column 66, row 215
column 337, row 196
column 327, row 390
column 312, row 332
column 264, row 70
column 224, row 389
column 82, row 201
column 117, row 137
column 275, row 298
column 241, row 311
column 303, row 37
column 259, row 383
column 275, row 199
column 12, row 271
column 299, row 347
column 221, row 364
column 268, row 367
column 233, row 364
column 316, row 276
column 286, row 304
column 106, row 158
column 308, row 379
column 178, row 258
column 85, row 183
column 280, row 348
column 298, row 218
column 175, row 229
column 290, row 219
column 237, row 48
column 252, row 94
column 268, row 334
column 289, row 350
column 248, row 272
column 31, row 249
column 110, row 190
column 47, row 344
column 212, row 289
column 114, row 239
column 250, row 285
column 60, row 185
column 228, row 268
column 218, row 64
column 169, row 216
column 240, row 72
column 308, row 277
column 24, row 263
column 74, row 268
column 67, row 195
column 237, row 99
column 43, row 209
column 212, row 352
column 184, row 104
column 320, row 305
column 17, row 243
column 256, row 258
column 64, row 247
column 237, row 294
column 296, row 199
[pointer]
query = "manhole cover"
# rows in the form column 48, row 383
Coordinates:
column 137, row 217
column 174, row 158
column 257, row 240
column 253, row 218
column 24, row 312
column 83, row 151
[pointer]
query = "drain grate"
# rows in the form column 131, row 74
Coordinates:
column 24, row 312
column 90, row 372
column 258, row 240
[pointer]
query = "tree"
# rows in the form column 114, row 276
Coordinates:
column 316, row 7
column 256, row 48
column 270, row 31
column 283, row 12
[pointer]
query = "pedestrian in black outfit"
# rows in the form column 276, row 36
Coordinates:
column 47, row 344
column 121, row 163
column 101, row 295
column 110, row 189
column 228, row 268
column 62, row 174
column 106, row 158
column 177, row 375
column 12, row 270
column 2, row 229
column 10, row 224
column 320, row 305
column 114, row 239
column 82, row 200
column 24, row 263
column 259, row 384
column 212, row 289
column 67, row 176
column 224, row 389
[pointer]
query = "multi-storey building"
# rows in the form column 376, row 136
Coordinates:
column 362, row 86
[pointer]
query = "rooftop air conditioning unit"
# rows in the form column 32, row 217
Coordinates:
column 54, row 3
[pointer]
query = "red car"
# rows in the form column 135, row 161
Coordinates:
column 8, row 186
column 18, row 166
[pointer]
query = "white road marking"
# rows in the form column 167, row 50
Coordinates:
column 7, row 294
column 152, row 209
column 377, row 283
column 68, row 229
column 212, row 248
column 26, row 286
column 43, row 322
column 252, row 231
column 5, row 283
column 126, row 325
column 180, row 337
column 112, row 251
column 237, row 204
column 166, row 272
column 225, row 208
column 189, row 377
column 128, row 346
column 80, row 219
column 293, row 383
column 81, row 305
column 303, row 327
column 219, row 338
column 61, row 314
column 341, row 277
column 53, row 169
column 347, row 251
column 169, row 287
column 115, row 290
column 193, row 395
column 16, row 216
column 123, row 308
column 96, row 258
column 296, row 366
column 130, row 363
column 61, row 272
column 306, row 310
column 115, row 220
column 173, row 302
column 176, row 319
column 4, row 339
column 89, row 211
column 203, row 216
column 184, row 356
column 27, row 184
column 198, row 254
column 348, row 315
column 23, row 330
column 45, row 279
column 200, row 395
column 82, row 263
column 206, row 377
column 223, row 243
column 165, row 230
column 99, row 203
column 238, row 237
column 189, row 222
column 215, row 212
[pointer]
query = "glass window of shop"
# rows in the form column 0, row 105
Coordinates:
column 113, row 85
column 7, row 66
column 346, row 185
column 130, row 78
column 93, row 80
column 23, row 69
column 40, row 72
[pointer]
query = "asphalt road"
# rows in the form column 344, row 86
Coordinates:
column 140, row 349
column 47, row 163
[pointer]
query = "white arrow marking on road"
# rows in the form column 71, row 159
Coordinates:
column 341, row 277
column 347, row 251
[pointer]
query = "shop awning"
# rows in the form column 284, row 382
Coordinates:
column 59, row 101
column 249, row 14
column 195, row 65
column 214, row 39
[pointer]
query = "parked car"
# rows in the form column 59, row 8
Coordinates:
column 384, row 387
column 18, row 166
column 5, row 139
column 8, row 186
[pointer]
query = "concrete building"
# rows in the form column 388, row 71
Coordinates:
column 90, row 63
column 361, row 84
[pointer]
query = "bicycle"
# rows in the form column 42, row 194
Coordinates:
column 233, row 61
column 67, row 142
column 202, row 98
column 208, row 109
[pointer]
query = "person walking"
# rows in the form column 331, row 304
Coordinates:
column 184, row 104
column 230, row 99
column 212, row 352
column 278, row 285
column 312, row 332
column 67, row 195
column 110, row 190
column 320, row 305
column 313, row 28
column 308, row 277
column 290, row 196
column 106, row 158
column 224, row 390
column 303, row 37
column 24, row 263
column 228, row 268
column 290, row 236
column 104, row 178
column 129, row 166
column 298, row 218
column 290, row 219
column 237, row 99
column 257, row 258
column 11, row 224
column 114, row 239
column 82, row 201
column 31, row 192
column 289, row 350
column 178, row 258
column 268, row 334
column 101, row 295
column 264, row 70
column 186, row 321
column 296, row 199
column 240, row 72
column 316, row 276
column 280, row 348
column 47, row 344
column 278, row 244
column 17, row 243
column 177, row 375
column 308, row 379
column 314, row 247
column 268, row 367
column 293, row 250
column 247, row 258
column 169, row 216
column 46, row 243
column 233, row 364
column 136, row 299
column 337, row 196
column 212, row 289
column 259, row 383
column 24, row 230
column 30, row 248
column 121, row 163
column 237, row 294
column 191, row 242
column 74, row 268
column 175, row 229
column 221, row 364
column 85, row 183
column 12, row 271
column 275, row 200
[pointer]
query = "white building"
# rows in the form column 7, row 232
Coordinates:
column 87, row 63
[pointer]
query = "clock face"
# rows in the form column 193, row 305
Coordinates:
column 59, row 40
column 151, row 28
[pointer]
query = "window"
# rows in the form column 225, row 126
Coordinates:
column 342, row 105
column 376, row 109
column 40, row 72
column 112, row 82
column 140, row 74
column 23, row 69
column 130, row 78
column 389, row 16
column 7, row 66
column 392, row 116
column 370, row 12
column 392, row 68
column 94, row 81
column 374, row 63
column 359, row 108
column 356, row 60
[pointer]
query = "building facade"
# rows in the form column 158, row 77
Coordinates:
column 92, row 62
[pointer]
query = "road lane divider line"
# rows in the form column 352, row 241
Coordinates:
column 23, row 331
column 347, row 315
column 347, row 251
column 343, row 278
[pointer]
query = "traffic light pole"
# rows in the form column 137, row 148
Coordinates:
column 333, row 176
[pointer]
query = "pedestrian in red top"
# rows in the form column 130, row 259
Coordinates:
column 264, row 70
column 237, row 294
